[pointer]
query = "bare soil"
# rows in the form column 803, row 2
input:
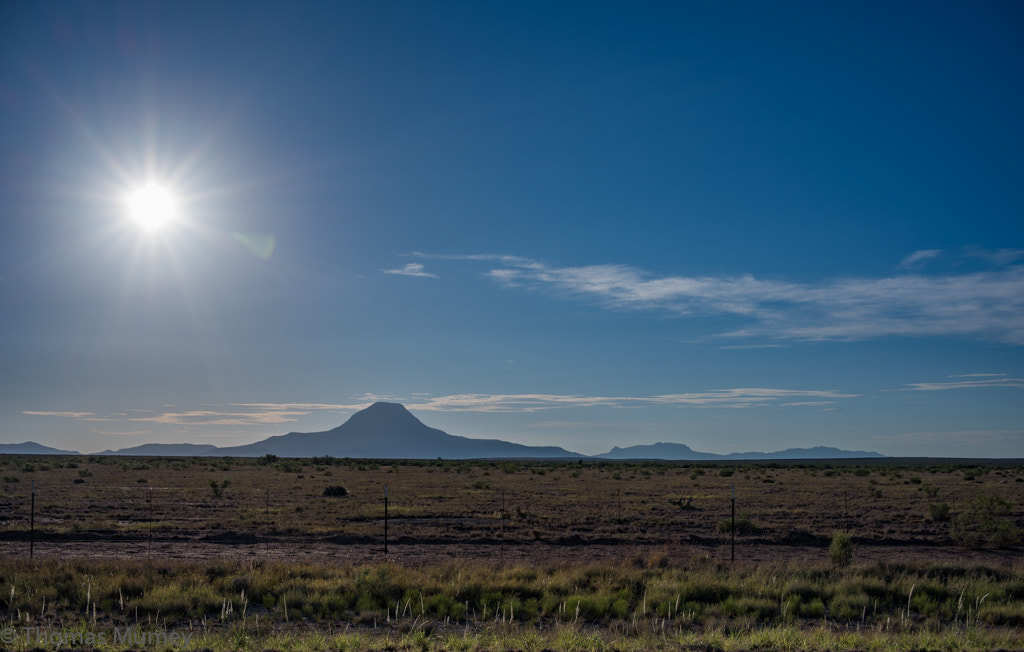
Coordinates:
column 515, row 512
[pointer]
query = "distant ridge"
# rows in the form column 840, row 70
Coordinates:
column 32, row 448
column 166, row 450
column 669, row 451
column 389, row 430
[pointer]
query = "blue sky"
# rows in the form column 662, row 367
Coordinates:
column 739, row 226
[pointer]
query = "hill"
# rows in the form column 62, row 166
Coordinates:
column 388, row 430
column 670, row 451
column 32, row 448
column 167, row 450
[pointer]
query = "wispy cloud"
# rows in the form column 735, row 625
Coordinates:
column 237, row 414
column 985, row 305
column 969, row 384
column 969, row 440
column 918, row 258
column 720, row 398
column 66, row 415
column 411, row 269
column 999, row 257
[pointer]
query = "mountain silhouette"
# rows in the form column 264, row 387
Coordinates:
column 388, row 430
column 669, row 451
column 166, row 450
column 32, row 448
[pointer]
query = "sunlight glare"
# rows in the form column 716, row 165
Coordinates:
column 151, row 206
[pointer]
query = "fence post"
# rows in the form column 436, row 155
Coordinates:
column 266, row 540
column 32, row 523
column 385, row 521
column 149, row 549
column 732, row 527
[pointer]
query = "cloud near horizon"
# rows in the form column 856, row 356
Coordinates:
column 263, row 414
column 411, row 269
column 722, row 398
column 236, row 414
column 986, row 305
column 981, row 380
column 918, row 258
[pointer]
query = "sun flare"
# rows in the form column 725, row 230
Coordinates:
column 151, row 206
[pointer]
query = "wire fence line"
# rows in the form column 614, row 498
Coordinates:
column 262, row 518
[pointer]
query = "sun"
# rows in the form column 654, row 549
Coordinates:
column 151, row 206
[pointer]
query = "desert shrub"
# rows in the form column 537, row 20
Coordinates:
column 840, row 551
column 986, row 522
column 335, row 491
column 848, row 606
column 704, row 592
column 289, row 466
column 744, row 525
column 813, row 609
column 217, row 488
column 1002, row 615
column 938, row 511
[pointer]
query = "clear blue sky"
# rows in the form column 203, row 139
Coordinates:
column 736, row 225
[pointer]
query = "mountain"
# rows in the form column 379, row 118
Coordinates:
column 669, row 451
column 816, row 453
column 659, row 451
column 32, row 448
column 388, row 430
column 167, row 450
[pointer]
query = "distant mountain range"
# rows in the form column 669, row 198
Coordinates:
column 667, row 451
column 32, row 448
column 390, row 431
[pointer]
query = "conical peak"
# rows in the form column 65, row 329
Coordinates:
column 383, row 414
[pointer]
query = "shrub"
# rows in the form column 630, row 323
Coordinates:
column 840, row 552
column 986, row 522
column 335, row 491
column 289, row 466
column 744, row 525
column 938, row 511
column 217, row 488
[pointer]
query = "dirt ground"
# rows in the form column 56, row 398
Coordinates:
column 501, row 512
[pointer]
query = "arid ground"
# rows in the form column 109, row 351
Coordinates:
column 276, row 509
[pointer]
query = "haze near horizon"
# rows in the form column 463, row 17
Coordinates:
column 739, row 227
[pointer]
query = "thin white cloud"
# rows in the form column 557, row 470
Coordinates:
column 66, row 415
column 215, row 418
column 721, row 398
column 919, row 258
column 968, row 439
column 1001, row 257
column 306, row 407
column 968, row 384
column 411, row 269
column 986, row 305
column 237, row 414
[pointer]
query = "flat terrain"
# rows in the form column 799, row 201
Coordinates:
column 275, row 509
